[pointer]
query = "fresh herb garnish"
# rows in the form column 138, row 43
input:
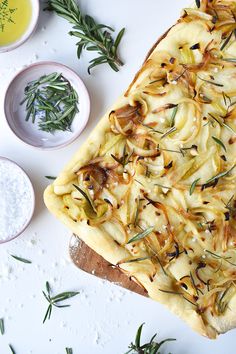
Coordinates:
column 222, row 124
column 226, row 259
column 226, row 41
column 151, row 347
column 177, row 293
column 229, row 60
column 2, row 327
column 69, row 351
column 218, row 141
column 140, row 259
column 20, row 259
column 50, row 177
column 220, row 175
column 137, row 212
column 6, row 14
column 56, row 300
column 211, row 82
column 193, row 186
column 151, row 128
column 198, row 3
column 87, row 197
column 52, row 101
column 162, row 186
column 172, row 119
column 12, row 349
column 125, row 159
column 170, row 131
column 141, row 235
column 92, row 36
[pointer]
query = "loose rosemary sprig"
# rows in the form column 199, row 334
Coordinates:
column 20, row 259
column 53, row 101
column 51, row 177
column 56, row 300
column 141, row 235
column 12, row 349
column 92, row 36
column 151, row 347
column 2, row 327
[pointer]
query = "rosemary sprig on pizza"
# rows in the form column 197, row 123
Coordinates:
column 153, row 188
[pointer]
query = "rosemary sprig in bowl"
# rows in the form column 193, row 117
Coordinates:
column 92, row 36
column 52, row 101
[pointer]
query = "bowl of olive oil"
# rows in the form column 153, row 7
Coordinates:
column 18, row 20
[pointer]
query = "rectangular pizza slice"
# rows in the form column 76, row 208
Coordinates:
column 153, row 188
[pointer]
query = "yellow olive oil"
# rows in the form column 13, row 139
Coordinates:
column 15, row 16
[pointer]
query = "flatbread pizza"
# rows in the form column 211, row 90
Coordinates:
column 153, row 188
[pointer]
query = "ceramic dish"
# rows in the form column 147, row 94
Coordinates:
column 29, row 31
column 29, row 132
column 31, row 195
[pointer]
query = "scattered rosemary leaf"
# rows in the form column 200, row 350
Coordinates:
column 2, row 327
column 151, row 347
column 226, row 259
column 135, row 260
column 218, row 141
column 229, row 128
column 12, row 349
column 170, row 131
column 56, row 300
column 195, row 46
column 211, row 82
column 137, row 212
column 161, row 186
column 220, row 175
column 229, row 60
column 172, row 119
column 20, row 259
column 198, row 3
column 50, row 177
column 152, row 129
column 85, row 195
column 226, row 41
column 141, row 235
column 193, row 186
column 69, row 351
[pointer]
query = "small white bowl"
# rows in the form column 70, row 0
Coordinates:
column 29, row 132
column 30, row 211
column 29, row 31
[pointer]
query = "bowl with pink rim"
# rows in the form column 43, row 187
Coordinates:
column 28, row 131
column 27, row 32
column 17, row 202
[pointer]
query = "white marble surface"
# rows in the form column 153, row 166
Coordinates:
column 104, row 318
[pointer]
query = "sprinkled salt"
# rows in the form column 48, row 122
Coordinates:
column 16, row 200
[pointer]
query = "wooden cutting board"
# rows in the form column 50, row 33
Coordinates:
column 89, row 261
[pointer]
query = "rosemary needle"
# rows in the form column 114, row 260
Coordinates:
column 20, row 259
column 92, row 36
column 2, row 327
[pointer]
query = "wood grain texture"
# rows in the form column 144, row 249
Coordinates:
column 89, row 261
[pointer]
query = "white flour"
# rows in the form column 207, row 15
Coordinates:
column 15, row 200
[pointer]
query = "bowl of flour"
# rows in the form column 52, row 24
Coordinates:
column 17, row 200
